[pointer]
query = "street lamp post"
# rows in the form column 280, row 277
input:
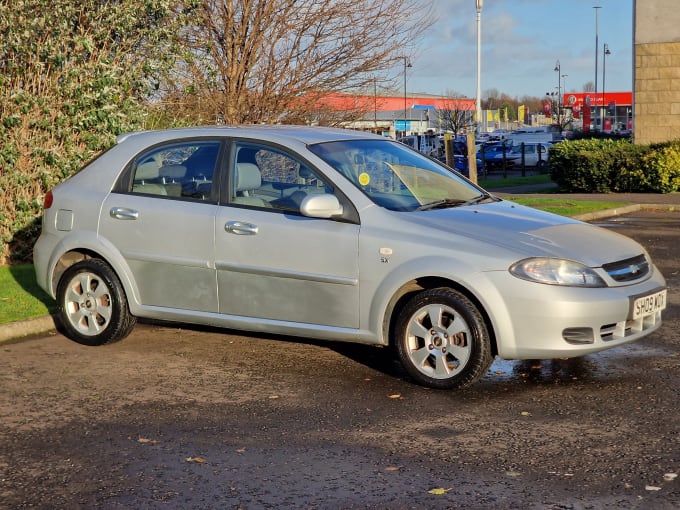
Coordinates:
column 407, row 63
column 558, row 70
column 597, row 48
column 479, row 4
column 605, row 52
column 564, row 94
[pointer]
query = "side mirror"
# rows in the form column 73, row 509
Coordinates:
column 321, row 206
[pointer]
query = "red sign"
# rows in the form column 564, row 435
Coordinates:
column 586, row 120
column 600, row 99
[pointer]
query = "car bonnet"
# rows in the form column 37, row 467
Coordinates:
column 531, row 233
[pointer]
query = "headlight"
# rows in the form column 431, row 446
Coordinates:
column 556, row 272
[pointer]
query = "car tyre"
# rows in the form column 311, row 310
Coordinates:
column 442, row 340
column 92, row 305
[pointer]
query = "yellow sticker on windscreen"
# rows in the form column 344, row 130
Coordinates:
column 364, row 179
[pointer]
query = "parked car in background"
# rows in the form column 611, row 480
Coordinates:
column 461, row 164
column 535, row 154
column 537, row 134
column 493, row 154
column 498, row 135
column 337, row 235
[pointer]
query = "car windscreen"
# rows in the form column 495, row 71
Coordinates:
column 395, row 176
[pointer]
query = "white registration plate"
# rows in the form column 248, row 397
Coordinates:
column 649, row 305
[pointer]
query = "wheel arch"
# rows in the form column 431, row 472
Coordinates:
column 413, row 287
column 71, row 253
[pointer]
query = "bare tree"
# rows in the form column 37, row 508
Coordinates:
column 491, row 99
column 456, row 115
column 252, row 61
column 532, row 103
column 561, row 116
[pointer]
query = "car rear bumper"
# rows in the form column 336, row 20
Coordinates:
column 42, row 251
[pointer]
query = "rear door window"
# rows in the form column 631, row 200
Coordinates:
column 180, row 169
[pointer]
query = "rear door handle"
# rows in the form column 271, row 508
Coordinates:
column 121, row 213
column 240, row 228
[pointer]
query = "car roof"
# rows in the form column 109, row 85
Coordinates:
column 274, row 133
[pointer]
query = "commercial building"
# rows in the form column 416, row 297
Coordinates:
column 398, row 116
column 657, row 71
column 604, row 111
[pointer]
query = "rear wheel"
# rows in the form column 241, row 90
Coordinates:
column 92, row 305
column 442, row 340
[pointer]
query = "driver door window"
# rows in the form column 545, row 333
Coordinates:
column 265, row 177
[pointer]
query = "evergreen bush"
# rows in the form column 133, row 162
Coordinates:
column 73, row 75
column 606, row 165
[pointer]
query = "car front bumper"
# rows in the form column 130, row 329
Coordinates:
column 537, row 321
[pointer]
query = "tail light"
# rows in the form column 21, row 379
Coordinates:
column 47, row 202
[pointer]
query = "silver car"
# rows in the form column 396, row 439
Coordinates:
column 339, row 235
column 535, row 154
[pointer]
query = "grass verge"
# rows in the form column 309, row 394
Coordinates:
column 496, row 182
column 566, row 207
column 20, row 296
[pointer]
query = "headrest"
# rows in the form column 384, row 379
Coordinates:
column 148, row 170
column 173, row 171
column 248, row 177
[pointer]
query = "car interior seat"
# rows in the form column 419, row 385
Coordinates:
column 247, row 179
column 147, row 179
column 172, row 176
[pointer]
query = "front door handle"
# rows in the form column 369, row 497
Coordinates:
column 121, row 213
column 240, row 228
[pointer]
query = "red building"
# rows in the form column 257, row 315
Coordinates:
column 396, row 103
column 606, row 111
column 395, row 116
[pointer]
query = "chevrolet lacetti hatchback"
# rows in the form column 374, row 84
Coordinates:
column 338, row 235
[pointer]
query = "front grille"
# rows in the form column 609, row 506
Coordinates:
column 629, row 269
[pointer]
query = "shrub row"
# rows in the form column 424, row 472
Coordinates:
column 615, row 166
column 73, row 75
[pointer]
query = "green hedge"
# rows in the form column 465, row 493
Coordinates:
column 608, row 166
column 73, row 75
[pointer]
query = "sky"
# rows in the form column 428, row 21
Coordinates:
column 522, row 40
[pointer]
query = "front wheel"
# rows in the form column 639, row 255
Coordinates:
column 91, row 303
column 442, row 340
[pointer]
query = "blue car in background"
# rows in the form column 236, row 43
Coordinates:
column 492, row 156
column 461, row 165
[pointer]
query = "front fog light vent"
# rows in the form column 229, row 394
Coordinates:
column 579, row 335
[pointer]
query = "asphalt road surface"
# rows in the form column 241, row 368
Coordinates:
column 174, row 418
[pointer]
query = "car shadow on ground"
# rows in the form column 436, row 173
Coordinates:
column 24, row 275
column 379, row 358
column 384, row 360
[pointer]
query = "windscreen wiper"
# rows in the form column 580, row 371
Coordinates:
column 454, row 202
column 441, row 204
column 481, row 198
